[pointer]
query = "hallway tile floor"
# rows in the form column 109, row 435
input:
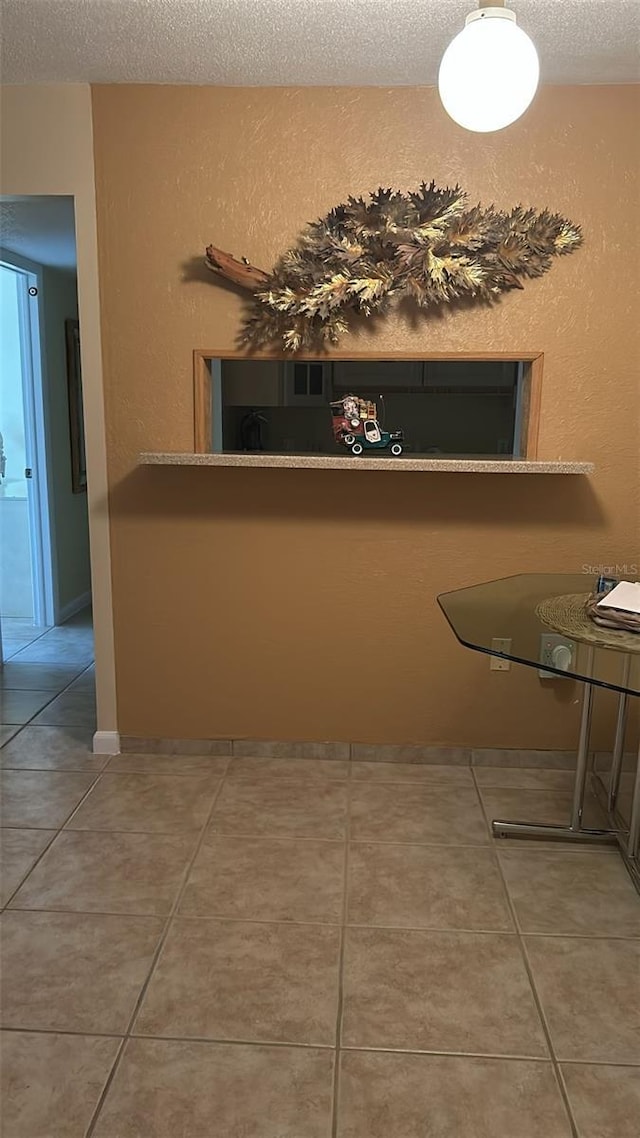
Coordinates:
column 47, row 678
column 285, row 948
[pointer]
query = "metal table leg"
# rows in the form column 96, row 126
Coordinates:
column 629, row 841
column 574, row 832
column 633, row 847
column 618, row 746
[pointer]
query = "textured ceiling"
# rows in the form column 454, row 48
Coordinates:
column 290, row 42
column 40, row 228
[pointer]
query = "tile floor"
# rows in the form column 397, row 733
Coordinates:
column 276, row 948
column 48, row 677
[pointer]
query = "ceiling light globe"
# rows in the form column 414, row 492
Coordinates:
column 489, row 73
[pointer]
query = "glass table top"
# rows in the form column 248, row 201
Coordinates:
column 522, row 610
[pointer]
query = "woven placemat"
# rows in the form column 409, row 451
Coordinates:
column 568, row 616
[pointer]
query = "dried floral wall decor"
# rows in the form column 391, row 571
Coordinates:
column 429, row 245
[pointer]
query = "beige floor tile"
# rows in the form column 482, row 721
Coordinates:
column 74, row 971
column 439, row 815
column 504, row 757
column 290, row 749
column 409, row 753
column 168, row 764
column 289, row 768
column 625, row 794
column 22, row 626
column 51, row 1083
column 589, row 994
column 11, row 645
column 8, row 731
column 412, row 772
column 214, row 1090
column 586, row 893
column 434, row 887
column 21, row 706
column 605, row 1100
column 148, row 745
column 40, row 799
column 87, row 872
column 19, row 849
column 545, row 806
column 147, row 803
column 525, row 778
column 45, row 651
column 273, row 879
column 438, row 991
column 86, row 681
column 70, row 632
column 71, row 709
column 45, row 677
column 237, row 980
column 52, row 748
column 280, row 807
column 433, row 1096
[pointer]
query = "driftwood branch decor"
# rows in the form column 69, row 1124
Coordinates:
column 428, row 245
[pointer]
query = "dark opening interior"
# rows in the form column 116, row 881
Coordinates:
column 430, row 407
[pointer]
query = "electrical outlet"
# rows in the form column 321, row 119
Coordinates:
column 555, row 652
column 498, row 663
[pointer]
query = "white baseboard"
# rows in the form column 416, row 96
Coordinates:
column 72, row 607
column 106, row 743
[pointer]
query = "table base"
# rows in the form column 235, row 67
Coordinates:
column 542, row 830
column 626, row 837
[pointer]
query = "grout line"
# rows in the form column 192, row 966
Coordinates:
column 180, row 916
column 451, row 1054
column 58, row 692
column 598, row 1063
column 578, row 936
column 232, row 1042
column 54, row 695
column 67, row 1031
column 432, row 929
column 154, row 960
column 162, row 774
column 242, row 835
column 318, row 1047
column 50, row 770
column 231, row 918
column 483, row 845
column 341, row 957
column 191, row 830
column 293, row 778
column 527, row 965
column 264, row 1041
column 57, row 829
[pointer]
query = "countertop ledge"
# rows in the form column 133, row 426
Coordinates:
column 337, row 462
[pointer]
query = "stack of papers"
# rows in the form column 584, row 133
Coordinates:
column 625, row 597
column 620, row 609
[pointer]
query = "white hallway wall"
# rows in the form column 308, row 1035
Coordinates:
column 16, row 598
column 47, row 148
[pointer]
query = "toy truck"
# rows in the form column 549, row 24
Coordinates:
column 356, row 426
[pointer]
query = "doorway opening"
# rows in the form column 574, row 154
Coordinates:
column 45, row 593
column 25, row 570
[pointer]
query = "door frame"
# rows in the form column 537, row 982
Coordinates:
column 38, row 451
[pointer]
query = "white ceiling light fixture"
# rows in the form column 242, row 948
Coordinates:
column 489, row 72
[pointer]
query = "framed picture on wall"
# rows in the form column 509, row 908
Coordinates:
column 76, row 416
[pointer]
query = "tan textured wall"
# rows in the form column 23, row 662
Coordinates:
column 300, row 604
